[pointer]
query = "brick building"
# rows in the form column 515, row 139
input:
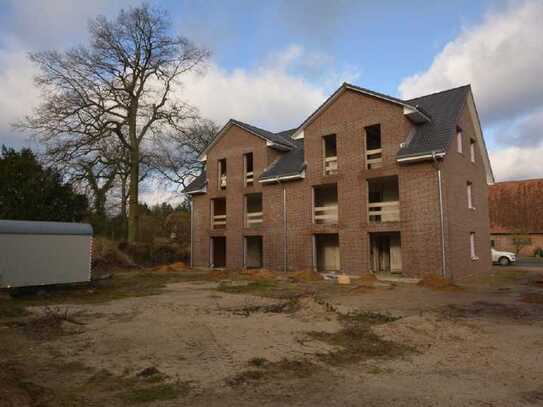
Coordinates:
column 367, row 183
column 516, row 212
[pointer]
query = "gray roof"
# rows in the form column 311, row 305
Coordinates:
column 444, row 108
column 197, row 184
column 282, row 137
column 290, row 163
column 18, row 227
column 441, row 108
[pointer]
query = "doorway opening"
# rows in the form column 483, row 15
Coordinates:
column 385, row 252
column 253, row 252
column 218, row 252
column 326, row 252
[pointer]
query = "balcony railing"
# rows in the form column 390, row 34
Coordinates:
column 253, row 219
column 249, row 178
column 379, row 212
column 222, row 181
column 330, row 165
column 374, row 158
column 219, row 222
column 325, row 214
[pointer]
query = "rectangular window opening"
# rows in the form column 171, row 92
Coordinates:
column 253, row 252
column 222, row 173
column 218, row 213
column 472, row 246
column 325, row 208
column 326, row 252
column 472, row 150
column 374, row 150
column 253, row 210
column 383, row 199
column 469, row 193
column 249, row 170
column 459, row 141
column 330, row 154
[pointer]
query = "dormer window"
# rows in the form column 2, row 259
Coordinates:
column 221, row 170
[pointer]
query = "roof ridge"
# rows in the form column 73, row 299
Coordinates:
column 518, row 181
column 438, row 92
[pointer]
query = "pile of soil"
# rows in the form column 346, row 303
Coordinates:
column 311, row 310
column 174, row 267
column 437, row 283
column 261, row 275
column 305, row 276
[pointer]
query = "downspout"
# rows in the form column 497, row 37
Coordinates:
column 441, row 220
column 285, row 240
column 191, row 230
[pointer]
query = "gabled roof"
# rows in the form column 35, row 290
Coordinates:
column 434, row 117
column 279, row 140
column 411, row 110
column 444, row 108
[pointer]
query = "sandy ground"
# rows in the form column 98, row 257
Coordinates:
column 476, row 346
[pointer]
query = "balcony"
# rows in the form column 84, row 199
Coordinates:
column 218, row 211
column 383, row 200
column 329, row 149
column 253, row 210
column 325, row 209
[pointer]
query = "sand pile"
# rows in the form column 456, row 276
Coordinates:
column 311, row 310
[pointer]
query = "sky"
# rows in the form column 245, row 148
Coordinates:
column 274, row 62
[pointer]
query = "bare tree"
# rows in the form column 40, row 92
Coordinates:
column 175, row 156
column 123, row 85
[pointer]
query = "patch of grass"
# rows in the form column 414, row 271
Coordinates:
column 376, row 370
column 282, row 370
column 532, row 298
column 263, row 288
column 10, row 308
column 356, row 341
column 156, row 393
column 123, row 284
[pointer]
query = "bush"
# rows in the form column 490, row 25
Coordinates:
column 106, row 254
column 154, row 254
column 538, row 252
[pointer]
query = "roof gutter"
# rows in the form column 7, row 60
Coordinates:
column 430, row 156
column 300, row 175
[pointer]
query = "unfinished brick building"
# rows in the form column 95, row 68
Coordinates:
column 367, row 183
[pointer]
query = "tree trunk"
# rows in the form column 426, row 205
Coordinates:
column 133, row 209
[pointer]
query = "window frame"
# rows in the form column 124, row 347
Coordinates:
column 459, row 141
column 469, row 193
column 472, row 246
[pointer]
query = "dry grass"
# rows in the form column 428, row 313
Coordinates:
column 305, row 276
column 532, row 298
column 356, row 341
column 438, row 283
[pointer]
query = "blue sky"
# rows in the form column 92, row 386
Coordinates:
column 274, row 62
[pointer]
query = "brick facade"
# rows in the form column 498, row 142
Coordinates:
column 419, row 225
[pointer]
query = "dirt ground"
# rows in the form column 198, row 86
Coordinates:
column 179, row 337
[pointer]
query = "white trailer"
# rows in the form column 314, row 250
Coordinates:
column 44, row 253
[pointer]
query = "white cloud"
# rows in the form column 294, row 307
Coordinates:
column 17, row 94
column 502, row 58
column 514, row 163
column 269, row 95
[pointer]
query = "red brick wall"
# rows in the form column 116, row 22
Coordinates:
column 457, row 171
column 504, row 242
